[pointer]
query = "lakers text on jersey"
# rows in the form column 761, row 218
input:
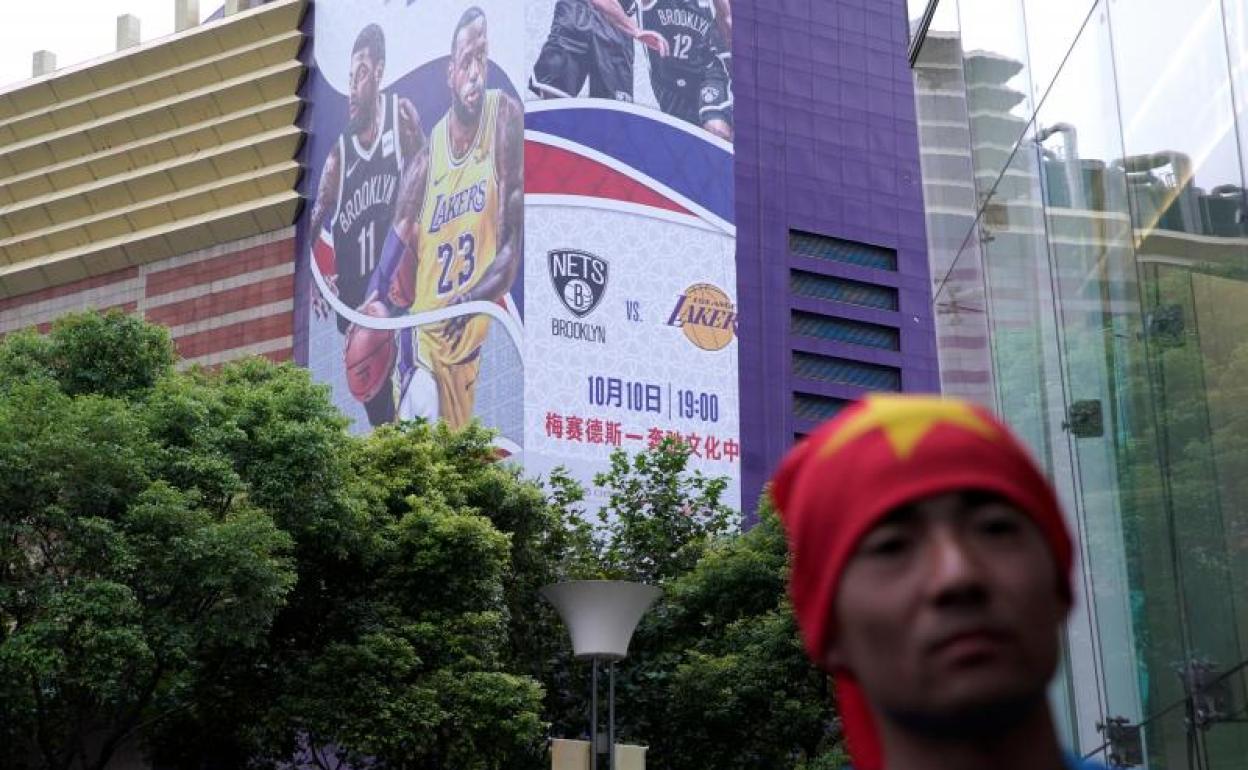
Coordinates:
column 459, row 234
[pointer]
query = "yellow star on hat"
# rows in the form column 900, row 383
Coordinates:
column 906, row 420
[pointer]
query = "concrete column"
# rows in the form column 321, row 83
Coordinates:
column 185, row 14
column 42, row 62
column 235, row 6
column 128, row 31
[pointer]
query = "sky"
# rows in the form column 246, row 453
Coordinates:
column 75, row 30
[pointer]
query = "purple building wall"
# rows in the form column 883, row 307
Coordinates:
column 826, row 142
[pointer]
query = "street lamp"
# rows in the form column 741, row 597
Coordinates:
column 601, row 616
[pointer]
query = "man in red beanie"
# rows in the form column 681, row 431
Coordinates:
column 931, row 575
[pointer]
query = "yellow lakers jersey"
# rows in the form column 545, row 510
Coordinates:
column 459, row 232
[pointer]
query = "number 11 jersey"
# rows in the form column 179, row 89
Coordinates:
column 366, row 198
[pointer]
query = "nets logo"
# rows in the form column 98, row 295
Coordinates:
column 706, row 315
column 579, row 278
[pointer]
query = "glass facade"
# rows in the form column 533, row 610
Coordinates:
column 1084, row 170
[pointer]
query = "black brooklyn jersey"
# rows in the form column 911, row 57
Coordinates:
column 574, row 18
column 692, row 33
column 693, row 81
column 584, row 46
column 369, row 189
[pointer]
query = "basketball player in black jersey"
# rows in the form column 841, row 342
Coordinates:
column 360, row 181
column 693, row 82
column 592, row 40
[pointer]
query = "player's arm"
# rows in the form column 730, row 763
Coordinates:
column 713, row 117
column 615, row 14
column 723, row 15
column 322, row 208
column 411, row 132
column 326, row 191
column 391, row 282
column 509, row 164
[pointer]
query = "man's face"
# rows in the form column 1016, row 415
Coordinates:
column 468, row 68
column 948, row 613
column 362, row 94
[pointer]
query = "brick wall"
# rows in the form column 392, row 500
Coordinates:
column 221, row 303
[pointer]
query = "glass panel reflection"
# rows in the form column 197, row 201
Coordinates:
column 1122, row 518
column 1091, row 257
column 962, row 330
column 1182, row 161
column 1237, row 47
column 1185, row 183
column 1052, row 26
column 944, row 140
column 998, row 92
column 914, row 14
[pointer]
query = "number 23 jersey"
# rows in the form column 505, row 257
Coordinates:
column 459, row 233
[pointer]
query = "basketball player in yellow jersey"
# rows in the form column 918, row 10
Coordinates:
column 458, row 231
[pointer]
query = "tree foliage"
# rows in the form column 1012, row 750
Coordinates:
column 209, row 567
column 716, row 675
column 206, row 567
column 119, row 572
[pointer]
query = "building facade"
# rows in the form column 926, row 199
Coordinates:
column 757, row 261
column 161, row 181
column 1084, row 171
column 832, row 268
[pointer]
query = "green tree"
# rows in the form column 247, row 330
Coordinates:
column 395, row 649
column 659, row 517
column 116, row 578
column 716, row 675
column 721, row 679
column 209, row 566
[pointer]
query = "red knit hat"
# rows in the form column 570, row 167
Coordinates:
column 877, row 455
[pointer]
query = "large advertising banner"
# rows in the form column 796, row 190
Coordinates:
column 414, row 239
column 631, row 269
column 521, row 212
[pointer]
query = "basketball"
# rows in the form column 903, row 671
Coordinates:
column 369, row 356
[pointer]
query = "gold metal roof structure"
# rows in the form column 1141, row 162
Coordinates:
column 153, row 151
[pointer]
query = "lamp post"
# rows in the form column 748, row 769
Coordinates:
column 601, row 616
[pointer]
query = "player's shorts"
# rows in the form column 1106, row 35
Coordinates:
column 576, row 52
column 457, row 390
column 418, row 395
column 696, row 99
column 380, row 409
column 436, row 390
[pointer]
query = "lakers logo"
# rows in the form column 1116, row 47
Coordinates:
column 706, row 315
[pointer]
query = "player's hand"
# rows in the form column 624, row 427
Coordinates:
column 372, row 307
column 654, row 41
column 454, row 329
column 411, row 133
column 320, row 306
